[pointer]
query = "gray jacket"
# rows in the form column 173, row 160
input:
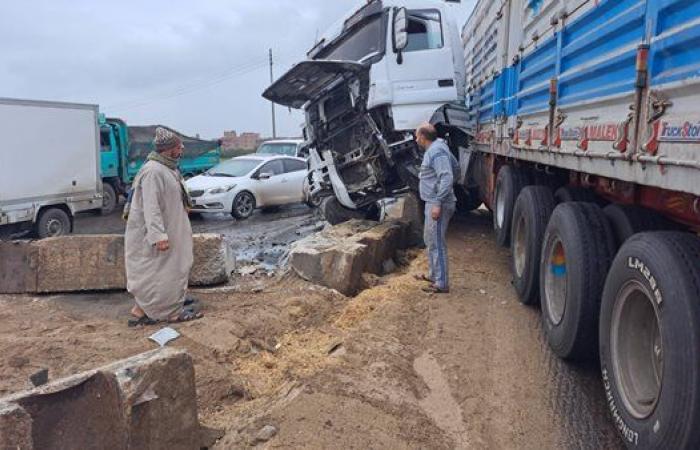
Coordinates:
column 438, row 173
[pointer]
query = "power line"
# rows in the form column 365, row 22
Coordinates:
column 191, row 87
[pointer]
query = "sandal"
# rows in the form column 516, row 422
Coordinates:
column 143, row 321
column 189, row 301
column 186, row 315
column 432, row 289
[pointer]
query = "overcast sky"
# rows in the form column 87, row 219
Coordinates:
column 199, row 67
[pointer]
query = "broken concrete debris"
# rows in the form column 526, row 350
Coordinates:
column 96, row 263
column 337, row 257
column 266, row 433
column 147, row 401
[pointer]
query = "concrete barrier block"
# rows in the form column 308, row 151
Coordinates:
column 80, row 263
column 213, row 262
column 337, row 257
column 95, row 263
column 18, row 267
column 160, row 402
column 15, row 428
column 148, row 401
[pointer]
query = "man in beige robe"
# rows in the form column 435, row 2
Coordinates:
column 159, row 237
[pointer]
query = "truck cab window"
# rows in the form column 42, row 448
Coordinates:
column 105, row 145
column 424, row 30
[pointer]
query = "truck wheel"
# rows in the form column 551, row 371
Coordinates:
column 575, row 194
column 628, row 220
column 53, row 222
column 577, row 251
column 649, row 341
column 335, row 213
column 509, row 183
column 243, row 205
column 530, row 217
column 467, row 200
column 109, row 199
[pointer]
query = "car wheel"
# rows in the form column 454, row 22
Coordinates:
column 243, row 205
column 53, row 222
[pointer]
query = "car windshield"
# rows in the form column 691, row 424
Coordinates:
column 357, row 44
column 288, row 149
column 233, row 168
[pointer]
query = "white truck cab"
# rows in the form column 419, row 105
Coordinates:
column 367, row 84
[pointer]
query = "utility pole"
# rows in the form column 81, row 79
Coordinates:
column 272, row 80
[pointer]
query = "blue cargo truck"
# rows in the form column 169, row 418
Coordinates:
column 586, row 124
column 577, row 123
column 124, row 150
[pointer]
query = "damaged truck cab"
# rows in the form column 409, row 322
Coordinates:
column 365, row 88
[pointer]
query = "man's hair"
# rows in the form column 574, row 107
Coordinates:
column 428, row 131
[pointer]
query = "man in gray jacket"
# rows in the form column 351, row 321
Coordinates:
column 437, row 176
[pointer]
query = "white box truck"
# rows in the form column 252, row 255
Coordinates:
column 49, row 165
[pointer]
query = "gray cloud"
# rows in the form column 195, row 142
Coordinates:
column 197, row 66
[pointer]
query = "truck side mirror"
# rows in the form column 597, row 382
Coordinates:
column 400, row 33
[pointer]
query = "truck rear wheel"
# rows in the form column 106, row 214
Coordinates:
column 53, row 222
column 577, row 251
column 335, row 213
column 530, row 216
column 109, row 199
column 509, row 183
column 467, row 199
column 649, row 344
column 576, row 194
column 628, row 220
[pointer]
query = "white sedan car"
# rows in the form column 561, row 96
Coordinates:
column 241, row 185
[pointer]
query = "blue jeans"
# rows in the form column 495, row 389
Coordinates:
column 434, row 236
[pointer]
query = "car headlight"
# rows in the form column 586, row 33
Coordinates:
column 222, row 190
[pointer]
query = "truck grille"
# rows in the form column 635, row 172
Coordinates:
column 197, row 193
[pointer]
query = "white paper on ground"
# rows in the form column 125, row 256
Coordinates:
column 162, row 337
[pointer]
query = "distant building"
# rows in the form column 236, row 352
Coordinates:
column 243, row 141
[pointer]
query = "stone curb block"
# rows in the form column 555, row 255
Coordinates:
column 95, row 263
column 148, row 401
column 337, row 257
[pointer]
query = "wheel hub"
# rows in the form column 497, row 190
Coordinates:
column 637, row 349
column 500, row 207
column 555, row 282
column 54, row 227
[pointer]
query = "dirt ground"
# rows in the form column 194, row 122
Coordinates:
column 390, row 368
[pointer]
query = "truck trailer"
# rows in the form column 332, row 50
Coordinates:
column 576, row 123
column 49, row 165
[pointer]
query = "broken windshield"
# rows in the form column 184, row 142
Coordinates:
column 358, row 43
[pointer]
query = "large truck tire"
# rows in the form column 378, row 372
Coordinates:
column 335, row 213
column 509, row 183
column 577, row 251
column 532, row 211
column 650, row 341
column 628, row 220
column 109, row 199
column 467, row 199
column 569, row 194
column 53, row 222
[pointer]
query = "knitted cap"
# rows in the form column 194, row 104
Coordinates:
column 165, row 139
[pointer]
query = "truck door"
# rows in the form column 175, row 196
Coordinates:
column 423, row 74
column 108, row 153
